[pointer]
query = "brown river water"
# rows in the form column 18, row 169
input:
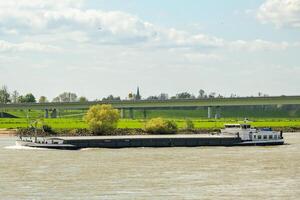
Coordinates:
column 148, row 173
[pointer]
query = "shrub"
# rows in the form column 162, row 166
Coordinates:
column 161, row 126
column 189, row 125
column 47, row 129
column 78, row 132
column 102, row 118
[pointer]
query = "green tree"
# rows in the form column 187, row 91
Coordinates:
column 163, row 96
column 102, row 118
column 202, row 94
column 14, row 96
column 152, row 98
column 28, row 98
column 184, row 95
column 4, row 95
column 66, row 97
column 56, row 100
column 130, row 96
column 43, row 99
column 111, row 98
column 161, row 126
column 83, row 99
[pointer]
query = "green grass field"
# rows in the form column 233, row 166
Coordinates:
column 259, row 115
column 65, row 123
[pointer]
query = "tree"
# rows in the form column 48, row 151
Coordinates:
column 43, row 99
column 21, row 99
column 83, row 99
column 233, row 95
column 4, row 95
column 66, row 97
column 184, row 95
column 163, row 96
column 212, row 95
column 130, row 96
column 102, row 118
column 111, row 98
column 14, row 96
column 202, row 94
column 220, row 96
column 56, row 99
column 152, row 98
column 28, row 98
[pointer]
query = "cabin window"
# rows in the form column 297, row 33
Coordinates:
column 245, row 126
column 254, row 136
column 265, row 137
column 232, row 126
column 270, row 137
column 275, row 137
column 259, row 137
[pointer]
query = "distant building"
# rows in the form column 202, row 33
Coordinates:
column 137, row 96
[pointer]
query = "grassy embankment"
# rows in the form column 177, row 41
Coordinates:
column 226, row 112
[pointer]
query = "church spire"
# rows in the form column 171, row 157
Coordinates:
column 138, row 96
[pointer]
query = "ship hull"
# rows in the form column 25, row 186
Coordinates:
column 73, row 143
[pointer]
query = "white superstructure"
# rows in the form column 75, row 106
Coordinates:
column 246, row 133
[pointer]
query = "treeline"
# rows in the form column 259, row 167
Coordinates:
column 16, row 97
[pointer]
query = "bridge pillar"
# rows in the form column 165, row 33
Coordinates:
column 54, row 113
column 46, row 113
column 218, row 112
column 123, row 113
column 145, row 113
column 209, row 112
column 131, row 113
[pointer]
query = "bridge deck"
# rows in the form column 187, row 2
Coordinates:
column 144, row 104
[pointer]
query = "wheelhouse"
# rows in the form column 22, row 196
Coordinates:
column 247, row 133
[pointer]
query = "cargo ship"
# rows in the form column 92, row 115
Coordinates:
column 231, row 135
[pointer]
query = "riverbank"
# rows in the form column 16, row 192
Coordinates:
column 8, row 132
column 125, row 132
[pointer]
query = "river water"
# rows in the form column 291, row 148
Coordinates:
column 148, row 173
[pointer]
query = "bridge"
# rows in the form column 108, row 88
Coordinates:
column 155, row 104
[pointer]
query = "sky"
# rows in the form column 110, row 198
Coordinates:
column 100, row 47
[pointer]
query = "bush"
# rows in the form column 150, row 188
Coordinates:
column 47, row 129
column 161, row 126
column 102, row 119
column 189, row 125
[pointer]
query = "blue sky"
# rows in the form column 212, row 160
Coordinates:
column 96, row 48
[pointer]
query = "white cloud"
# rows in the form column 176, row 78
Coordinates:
column 55, row 22
column 26, row 46
column 281, row 13
column 200, row 58
column 258, row 45
column 40, row 4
